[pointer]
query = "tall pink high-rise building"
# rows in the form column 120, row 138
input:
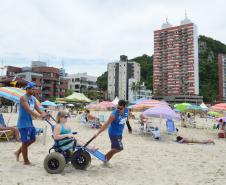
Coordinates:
column 176, row 60
column 222, row 77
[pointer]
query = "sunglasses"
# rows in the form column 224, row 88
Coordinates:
column 120, row 108
column 65, row 117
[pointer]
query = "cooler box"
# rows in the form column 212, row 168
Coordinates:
column 221, row 135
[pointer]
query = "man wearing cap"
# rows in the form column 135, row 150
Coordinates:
column 27, row 131
column 115, row 125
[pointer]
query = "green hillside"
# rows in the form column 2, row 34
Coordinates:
column 208, row 68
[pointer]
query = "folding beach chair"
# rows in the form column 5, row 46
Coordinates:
column 170, row 126
column 83, row 119
column 5, row 134
column 101, row 118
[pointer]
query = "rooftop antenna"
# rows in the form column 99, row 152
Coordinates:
column 48, row 62
column 2, row 68
column 167, row 19
column 62, row 63
column 186, row 16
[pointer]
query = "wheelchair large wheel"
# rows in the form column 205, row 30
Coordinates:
column 81, row 159
column 54, row 163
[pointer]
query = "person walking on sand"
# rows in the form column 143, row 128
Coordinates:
column 116, row 123
column 27, row 109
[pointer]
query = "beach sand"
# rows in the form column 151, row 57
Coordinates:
column 143, row 160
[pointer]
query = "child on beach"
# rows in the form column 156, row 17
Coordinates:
column 63, row 134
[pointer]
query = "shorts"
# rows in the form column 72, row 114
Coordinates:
column 116, row 142
column 27, row 134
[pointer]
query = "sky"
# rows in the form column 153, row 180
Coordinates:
column 87, row 34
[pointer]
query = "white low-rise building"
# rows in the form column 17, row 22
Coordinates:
column 81, row 81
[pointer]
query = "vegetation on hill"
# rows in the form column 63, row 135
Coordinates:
column 208, row 69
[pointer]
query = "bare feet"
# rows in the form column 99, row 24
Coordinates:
column 107, row 164
column 27, row 163
column 17, row 154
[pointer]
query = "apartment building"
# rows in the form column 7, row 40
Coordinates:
column 119, row 74
column 81, row 82
column 175, row 66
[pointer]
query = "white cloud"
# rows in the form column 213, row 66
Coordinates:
column 96, row 29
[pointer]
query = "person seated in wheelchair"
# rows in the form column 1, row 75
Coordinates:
column 92, row 119
column 63, row 135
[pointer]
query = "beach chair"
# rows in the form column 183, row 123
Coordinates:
column 5, row 134
column 83, row 119
column 170, row 126
column 101, row 118
column 38, row 131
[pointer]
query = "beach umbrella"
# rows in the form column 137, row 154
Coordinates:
column 77, row 97
column 182, row 106
column 161, row 112
column 14, row 94
column 213, row 113
column 176, row 110
column 115, row 101
column 70, row 105
column 194, row 108
column 91, row 105
column 219, row 107
column 138, row 101
column 104, row 105
column 223, row 118
column 204, row 107
column 146, row 104
column 48, row 103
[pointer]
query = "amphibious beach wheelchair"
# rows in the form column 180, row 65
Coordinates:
column 79, row 156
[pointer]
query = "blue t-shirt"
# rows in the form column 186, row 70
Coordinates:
column 25, row 119
column 117, row 126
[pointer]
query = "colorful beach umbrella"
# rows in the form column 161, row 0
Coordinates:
column 138, row 101
column 13, row 94
column 48, row 103
column 146, row 104
column 204, row 107
column 161, row 112
column 219, row 107
column 182, row 106
column 104, row 105
column 213, row 113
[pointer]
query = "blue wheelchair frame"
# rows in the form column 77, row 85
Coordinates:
column 79, row 149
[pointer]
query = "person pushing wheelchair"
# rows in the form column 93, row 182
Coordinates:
column 115, row 124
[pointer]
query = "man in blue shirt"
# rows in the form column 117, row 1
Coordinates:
column 115, row 125
column 26, row 128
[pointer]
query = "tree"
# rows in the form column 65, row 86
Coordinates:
column 146, row 68
column 69, row 92
column 102, row 81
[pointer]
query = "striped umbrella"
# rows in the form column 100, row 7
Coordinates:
column 219, row 107
column 104, row 105
column 148, row 104
column 13, row 94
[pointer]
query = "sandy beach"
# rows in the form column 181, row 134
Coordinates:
column 143, row 161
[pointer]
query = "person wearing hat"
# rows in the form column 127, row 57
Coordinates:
column 28, row 105
column 115, row 124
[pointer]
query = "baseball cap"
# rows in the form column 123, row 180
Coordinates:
column 30, row 85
